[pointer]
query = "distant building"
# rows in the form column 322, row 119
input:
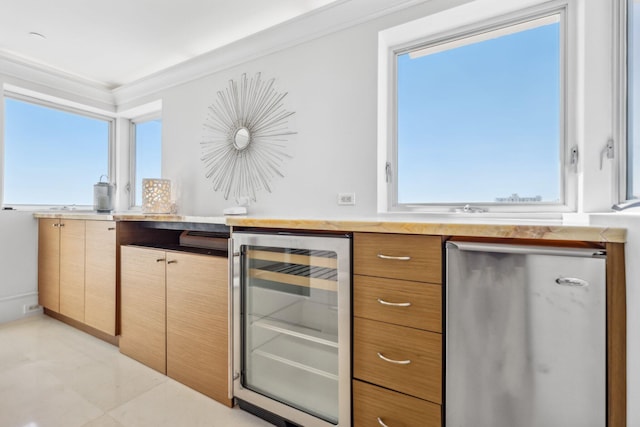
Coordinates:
column 514, row 198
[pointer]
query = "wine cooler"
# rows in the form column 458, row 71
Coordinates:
column 291, row 324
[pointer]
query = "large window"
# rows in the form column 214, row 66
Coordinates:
column 633, row 100
column 480, row 118
column 146, row 154
column 52, row 155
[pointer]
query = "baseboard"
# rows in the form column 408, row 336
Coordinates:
column 84, row 328
column 13, row 307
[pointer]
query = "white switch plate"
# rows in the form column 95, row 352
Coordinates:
column 346, row 198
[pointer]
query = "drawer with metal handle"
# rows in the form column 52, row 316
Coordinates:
column 376, row 406
column 414, row 304
column 398, row 256
column 404, row 359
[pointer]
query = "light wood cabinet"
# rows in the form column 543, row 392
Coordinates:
column 61, row 266
column 77, row 273
column 175, row 317
column 100, row 276
column 376, row 406
column 49, row 264
column 397, row 330
column 198, row 323
column 143, row 306
column 72, row 240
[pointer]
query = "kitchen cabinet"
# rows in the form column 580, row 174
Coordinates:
column 49, row 264
column 397, row 344
column 61, row 266
column 77, row 271
column 143, row 306
column 100, row 276
column 175, row 317
column 72, row 240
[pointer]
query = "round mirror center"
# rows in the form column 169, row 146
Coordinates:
column 241, row 139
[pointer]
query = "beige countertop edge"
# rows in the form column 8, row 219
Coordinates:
column 597, row 234
column 544, row 232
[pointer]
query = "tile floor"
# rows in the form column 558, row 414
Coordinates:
column 52, row 375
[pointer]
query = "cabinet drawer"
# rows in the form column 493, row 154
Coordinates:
column 413, row 362
column 373, row 404
column 398, row 256
column 414, row 304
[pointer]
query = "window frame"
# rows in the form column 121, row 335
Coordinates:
column 387, row 133
column 133, row 122
column 621, row 99
column 60, row 106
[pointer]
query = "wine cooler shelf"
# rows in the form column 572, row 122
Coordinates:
column 314, row 269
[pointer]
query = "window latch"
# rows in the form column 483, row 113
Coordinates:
column 387, row 171
column 573, row 156
column 607, row 150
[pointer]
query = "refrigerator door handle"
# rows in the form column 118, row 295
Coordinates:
column 572, row 281
column 524, row 249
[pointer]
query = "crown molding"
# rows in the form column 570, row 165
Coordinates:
column 320, row 22
column 328, row 19
column 35, row 77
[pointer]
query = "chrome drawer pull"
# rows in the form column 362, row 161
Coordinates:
column 394, row 304
column 381, row 423
column 396, row 258
column 397, row 362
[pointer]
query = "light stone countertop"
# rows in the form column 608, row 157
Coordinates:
column 478, row 227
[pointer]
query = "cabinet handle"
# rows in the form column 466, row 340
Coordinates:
column 161, row 260
column 394, row 304
column 173, row 261
column 61, row 224
column 55, row 225
column 397, row 362
column 111, row 228
column 572, row 281
column 382, row 424
column 396, row 258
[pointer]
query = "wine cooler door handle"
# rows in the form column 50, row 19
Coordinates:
column 394, row 304
column 397, row 362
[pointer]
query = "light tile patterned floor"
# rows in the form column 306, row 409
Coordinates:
column 52, row 375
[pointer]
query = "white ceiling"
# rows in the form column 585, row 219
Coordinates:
column 116, row 42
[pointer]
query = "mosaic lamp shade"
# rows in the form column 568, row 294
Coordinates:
column 156, row 196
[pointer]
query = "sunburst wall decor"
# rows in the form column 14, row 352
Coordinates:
column 245, row 136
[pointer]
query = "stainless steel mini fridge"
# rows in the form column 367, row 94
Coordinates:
column 525, row 336
column 292, row 327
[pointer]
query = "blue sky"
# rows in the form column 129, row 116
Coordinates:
column 51, row 156
column 148, row 153
column 481, row 121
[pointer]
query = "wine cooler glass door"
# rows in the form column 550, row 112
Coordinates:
column 291, row 305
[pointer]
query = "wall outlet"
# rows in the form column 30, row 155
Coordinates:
column 346, row 198
column 30, row 308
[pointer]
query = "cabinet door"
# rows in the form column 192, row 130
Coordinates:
column 142, row 306
column 49, row 264
column 100, row 276
column 72, row 269
column 198, row 323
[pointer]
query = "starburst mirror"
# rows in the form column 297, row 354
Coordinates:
column 245, row 137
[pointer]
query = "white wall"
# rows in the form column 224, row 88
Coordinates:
column 332, row 87
column 18, row 263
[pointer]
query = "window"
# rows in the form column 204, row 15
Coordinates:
column 480, row 118
column 633, row 100
column 146, row 154
column 52, row 155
